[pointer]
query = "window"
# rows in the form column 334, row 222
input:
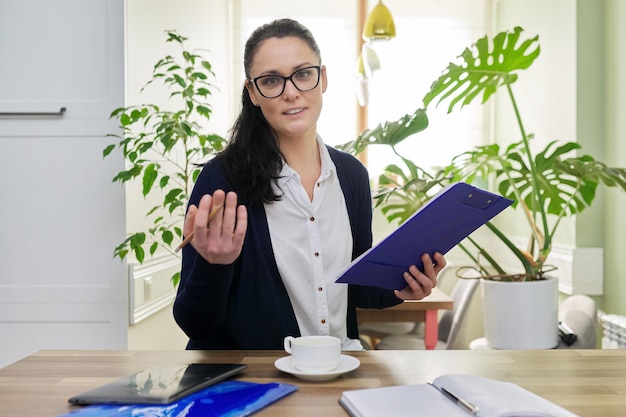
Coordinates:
column 429, row 35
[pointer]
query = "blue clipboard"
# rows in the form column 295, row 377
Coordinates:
column 442, row 223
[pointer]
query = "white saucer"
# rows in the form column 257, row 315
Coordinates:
column 346, row 364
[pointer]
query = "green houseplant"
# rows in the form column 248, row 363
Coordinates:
column 164, row 149
column 550, row 182
column 547, row 185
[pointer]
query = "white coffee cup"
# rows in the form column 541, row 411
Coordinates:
column 314, row 354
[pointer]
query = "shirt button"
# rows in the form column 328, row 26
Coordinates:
column 320, row 289
column 312, row 218
column 317, row 254
column 323, row 321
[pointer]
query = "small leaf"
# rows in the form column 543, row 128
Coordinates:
column 180, row 80
column 149, row 176
column 203, row 110
column 107, row 150
column 125, row 119
column 200, row 75
column 139, row 254
column 168, row 237
column 175, row 279
column 203, row 91
column 116, row 112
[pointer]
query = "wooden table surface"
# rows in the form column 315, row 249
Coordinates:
column 587, row 382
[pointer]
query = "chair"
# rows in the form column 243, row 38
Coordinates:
column 372, row 332
column 449, row 323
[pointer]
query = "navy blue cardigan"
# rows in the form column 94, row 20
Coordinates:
column 245, row 305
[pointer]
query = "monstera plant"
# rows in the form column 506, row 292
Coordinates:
column 546, row 185
column 164, row 149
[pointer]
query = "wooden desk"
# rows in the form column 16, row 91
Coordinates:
column 413, row 310
column 590, row 383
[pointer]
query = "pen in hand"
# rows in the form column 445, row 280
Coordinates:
column 213, row 213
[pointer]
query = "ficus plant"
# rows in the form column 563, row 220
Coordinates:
column 165, row 149
column 547, row 186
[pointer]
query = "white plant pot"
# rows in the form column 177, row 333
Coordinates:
column 521, row 315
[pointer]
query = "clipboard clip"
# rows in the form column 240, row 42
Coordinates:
column 478, row 200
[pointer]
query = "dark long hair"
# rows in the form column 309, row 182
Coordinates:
column 252, row 159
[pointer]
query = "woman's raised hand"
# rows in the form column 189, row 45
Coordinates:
column 220, row 239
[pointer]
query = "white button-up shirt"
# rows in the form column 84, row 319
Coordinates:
column 312, row 241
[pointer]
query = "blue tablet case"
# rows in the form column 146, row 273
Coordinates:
column 448, row 218
column 226, row 399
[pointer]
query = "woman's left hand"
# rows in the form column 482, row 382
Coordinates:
column 420, row 284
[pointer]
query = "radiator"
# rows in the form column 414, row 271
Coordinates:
column 613, row 330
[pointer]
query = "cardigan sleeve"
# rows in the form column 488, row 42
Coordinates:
column 201, row 300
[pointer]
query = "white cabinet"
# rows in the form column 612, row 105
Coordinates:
column 60, row 214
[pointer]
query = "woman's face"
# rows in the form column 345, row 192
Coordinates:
column 294, row 113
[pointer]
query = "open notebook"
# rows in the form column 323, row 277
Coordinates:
column 451, row 396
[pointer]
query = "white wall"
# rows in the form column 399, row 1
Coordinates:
column 615, row 107
column 554, row 71
column 206, row 25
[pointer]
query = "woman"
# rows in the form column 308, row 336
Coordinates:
column 295, row 212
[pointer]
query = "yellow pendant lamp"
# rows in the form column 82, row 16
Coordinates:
column 379, row 24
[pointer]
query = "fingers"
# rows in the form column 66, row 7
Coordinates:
column 230, row 214
column 242, row 225
column 189, row 220
column 420, row 284
column 433, row 266
column 217, row 238
column 205, row 206
column 440, row 262
column 217, row 200
column 202, row 214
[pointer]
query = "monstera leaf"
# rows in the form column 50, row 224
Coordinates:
column 568, row 183
column 563, row 192
column 388, row 133
column 482, row 70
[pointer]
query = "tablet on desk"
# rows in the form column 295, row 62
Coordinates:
column 162, row 384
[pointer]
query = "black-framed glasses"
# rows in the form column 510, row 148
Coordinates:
column 304, row 79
